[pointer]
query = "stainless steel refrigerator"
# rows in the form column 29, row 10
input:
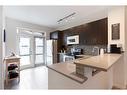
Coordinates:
column 51, row 52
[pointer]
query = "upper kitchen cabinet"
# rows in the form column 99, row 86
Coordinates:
column 68, row 33
column 93, row 33
column 54, row 35
column 57, row 35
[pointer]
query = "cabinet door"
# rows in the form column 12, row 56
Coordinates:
column 54, row 35
column 93, row 33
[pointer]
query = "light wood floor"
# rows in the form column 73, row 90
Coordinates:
column 34, row 78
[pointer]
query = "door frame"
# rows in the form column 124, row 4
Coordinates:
column 29, row 35
column 34, row 33
column 40, row 64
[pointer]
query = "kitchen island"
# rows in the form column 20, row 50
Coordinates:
column 64, row 76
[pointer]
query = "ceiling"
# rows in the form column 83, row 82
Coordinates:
column 49, row 15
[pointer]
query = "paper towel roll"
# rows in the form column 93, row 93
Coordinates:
column 101, row 51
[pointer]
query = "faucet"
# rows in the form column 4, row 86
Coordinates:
column 95, row 50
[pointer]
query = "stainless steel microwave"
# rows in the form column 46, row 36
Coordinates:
column 73, row 39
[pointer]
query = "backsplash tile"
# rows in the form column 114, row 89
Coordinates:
column 87, row 49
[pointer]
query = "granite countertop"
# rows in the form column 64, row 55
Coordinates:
column 68, row 69
column 102, row 62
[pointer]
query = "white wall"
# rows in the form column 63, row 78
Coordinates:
column 1, row 52
column 126, row 28
column 117, row 15
column 11, row 32
column 126, row 43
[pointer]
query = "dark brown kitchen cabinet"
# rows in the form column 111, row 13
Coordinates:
column 54, row 35
column 93, row 33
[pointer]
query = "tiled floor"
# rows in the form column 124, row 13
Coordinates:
column 34, row 78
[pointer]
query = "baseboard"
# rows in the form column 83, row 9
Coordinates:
column 114, row 87
column 118, row 86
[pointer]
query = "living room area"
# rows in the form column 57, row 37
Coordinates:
column 28, row 41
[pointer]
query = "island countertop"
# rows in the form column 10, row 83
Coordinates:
column 68, row 68
column 102, row 62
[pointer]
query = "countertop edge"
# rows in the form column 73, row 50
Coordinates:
column 100, row 68
column 81, row 82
